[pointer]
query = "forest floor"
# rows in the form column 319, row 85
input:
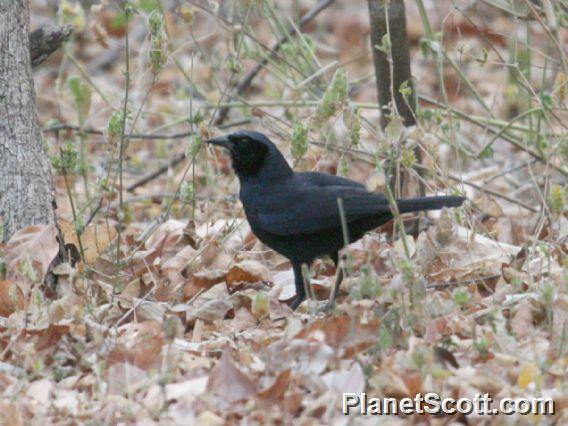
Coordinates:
column 170, row 311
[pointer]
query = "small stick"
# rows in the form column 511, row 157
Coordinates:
column 46, row 40
column 143, row 136
column 245, row 83
column 339, row 278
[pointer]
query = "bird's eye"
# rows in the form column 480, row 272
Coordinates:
column 245, row 145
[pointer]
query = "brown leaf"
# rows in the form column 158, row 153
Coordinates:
column 180, row 260
column 48, row 337
column 211, row 310
column 522, row 321
column 208, row 278
column 95, row 239
column 302, row 356
column 203, row 280
column 165, row 238
column 248, row 271
column 37, row 245
column 11, row 298
column 466, row 256
column 228, row 382
column 350, row 334
column 9, row 414
column 277, row 389
column 123, row 377
column 138, row 344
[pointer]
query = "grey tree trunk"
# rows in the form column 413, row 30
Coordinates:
column 26, row 192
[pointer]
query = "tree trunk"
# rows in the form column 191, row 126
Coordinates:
column 26, row 192
column 388, row 86
column 392, row 69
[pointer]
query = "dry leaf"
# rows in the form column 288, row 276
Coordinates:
column 138, row 344
column 31, row 249
column 279, row 386
column 181, row 259
column 11, row 298
column 228, row 382
column 352, row 335
column 302, row 356
column 208, row 278
column 194, row 387
column 341, row 380
column 211, row 310
column 248, row 271
column 163, row 240
column 95, row 239
column 522, row 321
column 527, row 375
column 560, row 325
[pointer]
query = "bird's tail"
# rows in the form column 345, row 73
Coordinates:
column 429, row 203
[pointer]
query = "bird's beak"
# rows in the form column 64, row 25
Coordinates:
column 222, row 141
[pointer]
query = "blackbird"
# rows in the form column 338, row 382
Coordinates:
column 298, row 214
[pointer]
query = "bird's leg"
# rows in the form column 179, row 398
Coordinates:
column 306, row 276
column 300, row 286
column 338, row 281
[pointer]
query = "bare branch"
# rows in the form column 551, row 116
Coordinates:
column 46, row 40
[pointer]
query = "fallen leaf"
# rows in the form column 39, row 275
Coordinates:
column 522, row 321
column 139, row 344
column 34, row 246
column 123, row 378
column 302, row 356
column 94, row 240
column 194, row 387
column 340, row 381
column 284, row 280
column 40, row 391
column 559, row 325
column 248, row 271
column 228, row 382
column 208, row 278
column 164, row 239
column 180, row 260
column 211, row 310
column 352, row 335
column 527, row 375
column 11, row 298
column 276, row 390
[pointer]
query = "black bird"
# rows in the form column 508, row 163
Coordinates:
column 297, row 214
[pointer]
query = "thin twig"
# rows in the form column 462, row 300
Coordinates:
column 142, row 136
column 440, row 284
column 503, row 136
column 438, row 174
column 246, row 81
column 123, row 144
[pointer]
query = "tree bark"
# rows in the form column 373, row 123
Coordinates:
column 392, row 69
column 26, row 192
column 388, row 86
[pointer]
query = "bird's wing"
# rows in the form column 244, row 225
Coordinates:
column 307, row 209
column 324, row 179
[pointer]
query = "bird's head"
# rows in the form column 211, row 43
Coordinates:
column 253, row 155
